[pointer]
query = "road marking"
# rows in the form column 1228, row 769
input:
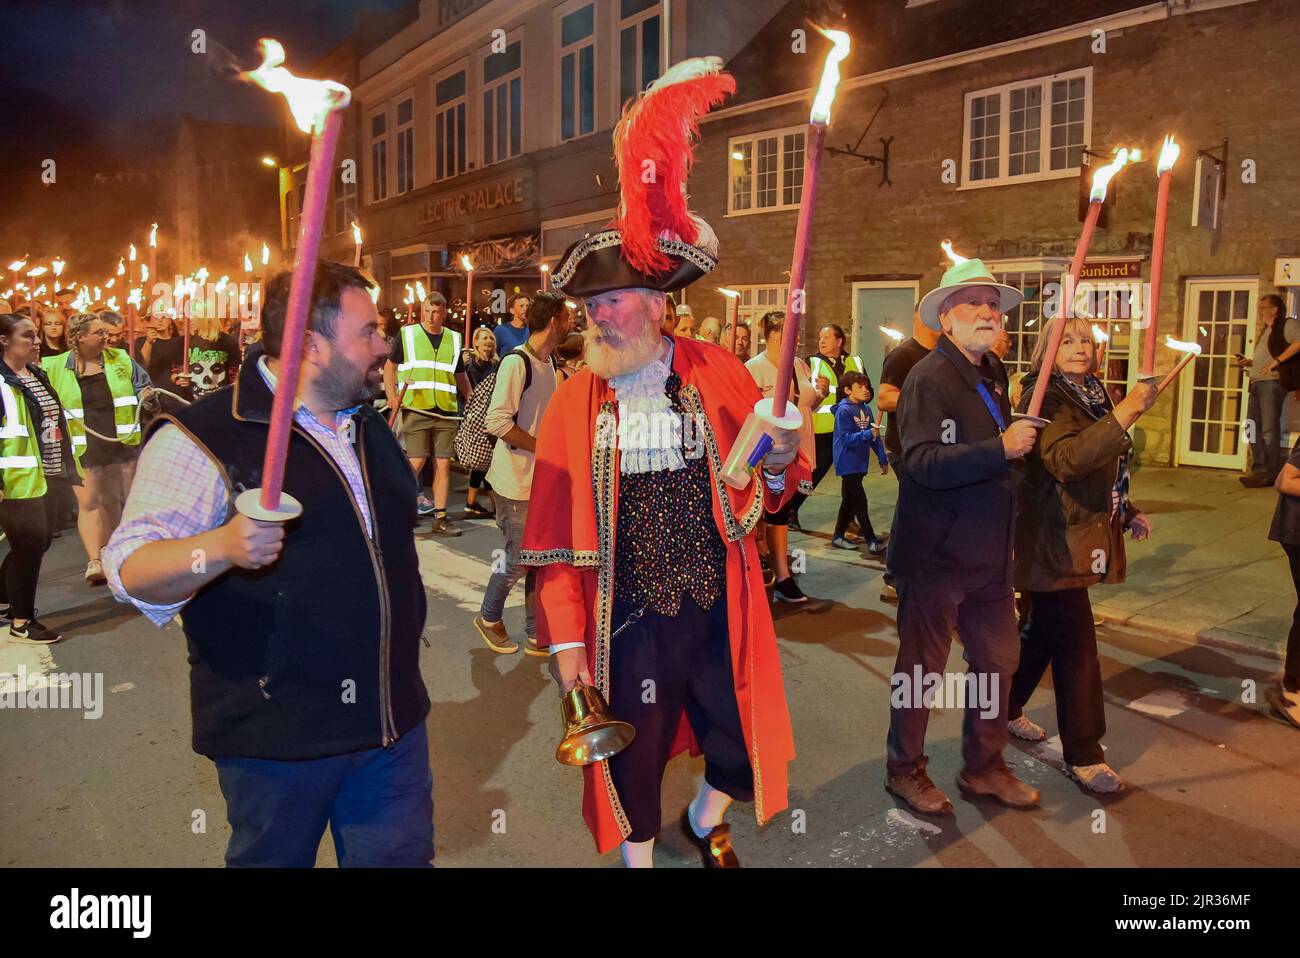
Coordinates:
column 458, row 576
column 38, row 661
column 896, row 816
column 1162, row 703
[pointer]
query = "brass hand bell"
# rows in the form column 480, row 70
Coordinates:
column 591, row 733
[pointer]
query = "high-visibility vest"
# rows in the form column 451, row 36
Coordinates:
column 117, row 370
column 20, row 448
column 823, row 418
column 431, row 374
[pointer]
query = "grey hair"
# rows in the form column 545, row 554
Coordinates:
column 1073, row 323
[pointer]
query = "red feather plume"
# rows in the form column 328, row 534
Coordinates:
column 661, row 128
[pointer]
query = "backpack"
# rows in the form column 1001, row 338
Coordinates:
column 473, row 444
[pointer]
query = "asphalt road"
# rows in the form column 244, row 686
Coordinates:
column 1215, row 781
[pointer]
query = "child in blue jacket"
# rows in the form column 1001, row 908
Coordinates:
column 855, row 436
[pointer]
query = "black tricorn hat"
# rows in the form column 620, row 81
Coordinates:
column 655, row 241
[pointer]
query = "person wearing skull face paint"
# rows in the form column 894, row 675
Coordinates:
column 213, row 361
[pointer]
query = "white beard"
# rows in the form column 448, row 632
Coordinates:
column 608, row 356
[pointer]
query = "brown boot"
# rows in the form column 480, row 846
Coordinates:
column 1000, row 783
column 919, row 792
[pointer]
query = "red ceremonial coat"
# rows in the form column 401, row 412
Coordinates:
column 570, row 536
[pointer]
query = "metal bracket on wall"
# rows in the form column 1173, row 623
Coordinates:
column 882, row 159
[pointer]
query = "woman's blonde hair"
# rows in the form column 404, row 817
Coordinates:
column 1073, row 324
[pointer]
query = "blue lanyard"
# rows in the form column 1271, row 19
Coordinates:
column 994, row 411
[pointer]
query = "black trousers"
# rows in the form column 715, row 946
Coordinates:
column 1291, row 668
column 893, row 471
column 853, row 505
column 659, row 666
column 985, row 620
column 1059, row 632
column 29, row 526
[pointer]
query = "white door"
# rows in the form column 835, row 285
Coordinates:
column 1219, row 315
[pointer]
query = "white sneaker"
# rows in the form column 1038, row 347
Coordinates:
column 1287, row 704
column 1028, row 730
column 95, row 573
column 1096, row 778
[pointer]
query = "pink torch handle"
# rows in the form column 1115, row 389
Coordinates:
column 1173, row 373
column 1157, row 272
column 790, row 332
column 1067, row 305
column 295, row 319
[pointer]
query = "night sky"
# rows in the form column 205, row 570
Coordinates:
column 101, row 85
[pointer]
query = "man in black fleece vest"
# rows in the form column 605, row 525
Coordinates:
column 303, row 639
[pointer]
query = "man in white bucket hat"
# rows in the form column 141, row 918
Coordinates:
column 951, row 546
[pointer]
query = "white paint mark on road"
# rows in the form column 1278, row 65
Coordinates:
column 459, row 577
column 900, row 818
column 123, row 687
column 1162, row 703
column 36, row 660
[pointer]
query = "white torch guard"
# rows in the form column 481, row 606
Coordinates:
column 737, row 471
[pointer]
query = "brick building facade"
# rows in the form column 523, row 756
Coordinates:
column 1206, row 71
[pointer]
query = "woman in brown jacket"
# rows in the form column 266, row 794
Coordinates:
column 1073, row 511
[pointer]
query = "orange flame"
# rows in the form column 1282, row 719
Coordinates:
column 465, row 262
column 153, row 235
column 1099, row 334
column 892, row 333
column 1182, row 347
column 1169, row 151
column 953, row 255
column 729, row 293
column 266, row 254
column 131, row 253
column 356, row 233
column 17, row 264
column 57, row 265
column 1101, row 179
column 821, row 108
column 310, row 101
column 121, row 267
column 248, row 264
column 38, row 271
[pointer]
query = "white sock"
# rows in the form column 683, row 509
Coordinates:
column 638, row 854
column 707, row 809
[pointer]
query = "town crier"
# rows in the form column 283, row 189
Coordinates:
column 648, row 579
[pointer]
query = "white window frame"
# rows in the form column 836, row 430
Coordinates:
column 398, row 130
column 345, row 195
column 460, row 66
column 482, row 88
column 1045, row 130
column 751, row 312
column 376, row 172
column 626, row 23
column 575, row 50
column 753, row 138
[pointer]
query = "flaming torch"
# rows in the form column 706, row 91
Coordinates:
column 1100, row 339
column 1164, row 169
column 468, row 264
column 546, row 277
column 1100, row 180
column 57, row 267
column 356, row 240
column 132, row 306
column 754, row 441
column 317, row 107
column 894, row 335
column 733, row 307
column 1190, row 351
column 153, row 258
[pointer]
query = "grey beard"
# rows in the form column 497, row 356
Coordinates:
column 619, row 358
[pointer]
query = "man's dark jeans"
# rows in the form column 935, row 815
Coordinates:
column 1265, row 411
column 378, row 803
